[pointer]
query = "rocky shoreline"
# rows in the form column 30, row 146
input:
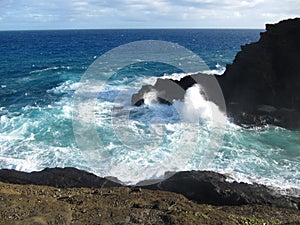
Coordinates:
column 260, row 87
column 72, row 196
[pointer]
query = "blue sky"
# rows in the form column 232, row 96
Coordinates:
column 98, row 14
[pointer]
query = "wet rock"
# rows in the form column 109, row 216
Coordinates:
column 168, row 90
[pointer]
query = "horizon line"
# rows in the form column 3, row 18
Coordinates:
column 167, row 28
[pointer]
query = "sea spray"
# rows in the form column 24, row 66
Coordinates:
column 194, row 107
column 150, row 97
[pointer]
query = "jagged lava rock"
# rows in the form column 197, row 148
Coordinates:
column 168, row 90
column 262, row 85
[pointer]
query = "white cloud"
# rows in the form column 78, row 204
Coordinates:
column 80, row 3
column 22, row 14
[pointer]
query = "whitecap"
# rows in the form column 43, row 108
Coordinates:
column 49, row 69
column 65, row 87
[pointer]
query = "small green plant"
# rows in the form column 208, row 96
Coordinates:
column 254, row 221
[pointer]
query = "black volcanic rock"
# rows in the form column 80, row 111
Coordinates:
column 263, row 83
column 168, row 90
column 212, row 188
column 261, row 86
column 56, row 177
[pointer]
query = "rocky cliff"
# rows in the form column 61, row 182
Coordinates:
column 261, row 86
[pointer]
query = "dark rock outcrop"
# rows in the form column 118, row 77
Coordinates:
column 263, row 83
column 261, row 86
column 212, row 188
column 168, row 90
column 199, row 186
column 56, row 177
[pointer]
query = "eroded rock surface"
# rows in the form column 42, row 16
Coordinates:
column 33, row 204
column 204, row 187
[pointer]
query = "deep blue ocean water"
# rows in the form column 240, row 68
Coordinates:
column 40, row 73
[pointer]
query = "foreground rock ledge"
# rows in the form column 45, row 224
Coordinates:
column 200, row 186
column 102, row 201
column 33, row 204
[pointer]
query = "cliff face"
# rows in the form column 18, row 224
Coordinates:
column 263, row 83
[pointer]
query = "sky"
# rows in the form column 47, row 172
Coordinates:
column 108, row 14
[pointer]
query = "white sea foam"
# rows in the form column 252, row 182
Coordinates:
column 138, row 83
column 150, row 97
column 3, row 111
column 50, row 68
column 277, row 182
column 218, row 71
column 176, row 76
column 144, row 146
column 65, row 87
column 38, row 138
column 194, row 106
column 149, row 140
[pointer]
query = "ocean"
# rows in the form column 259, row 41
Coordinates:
column 42, row 72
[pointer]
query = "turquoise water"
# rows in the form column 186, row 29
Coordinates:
column 40, row 74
